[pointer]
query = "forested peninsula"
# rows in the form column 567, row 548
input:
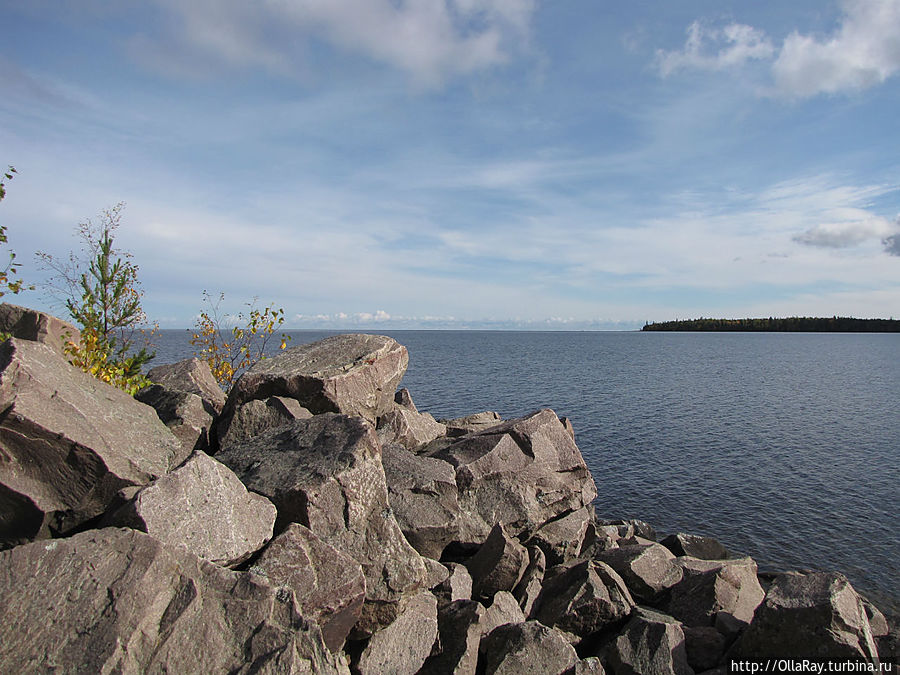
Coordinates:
column 794, row 324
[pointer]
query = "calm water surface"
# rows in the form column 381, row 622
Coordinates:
column 784, row 446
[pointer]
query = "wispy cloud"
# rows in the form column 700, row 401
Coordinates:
column 427, row 39
column 858, row 228
column 862, row 52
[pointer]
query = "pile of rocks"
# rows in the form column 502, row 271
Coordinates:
column 316, row 521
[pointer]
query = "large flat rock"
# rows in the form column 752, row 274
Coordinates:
column 326, row 474
column 30, row 324
column 68, row 443
column 350, row 374
column 204, row 507
column 118, row 601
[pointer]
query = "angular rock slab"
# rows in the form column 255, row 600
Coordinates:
column 528, row 647
column 204, row 507
column 521, row 474
column 561, row 539
column 68, row 443
column 350, row 374
column 583, row 598
column 117, row 600
column 185, row 414
column 459, row 629
column 403, row 646
column 422, row 492
column 715, row 592
column 254, row 417
column 648, row 569
column 695, row 546
column 328, row 585
column 408, row 427
column 528, row 589
column 29, row 324
column 650, row 643
column 325, row 473
column 814, row 615
column 461, row 426
column 192, row 376
column 498, row 565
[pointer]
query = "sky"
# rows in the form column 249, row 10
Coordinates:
column 464, row 163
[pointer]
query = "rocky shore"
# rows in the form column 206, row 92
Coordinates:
column 314, row 521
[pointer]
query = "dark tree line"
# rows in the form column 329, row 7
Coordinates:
column 794, row 324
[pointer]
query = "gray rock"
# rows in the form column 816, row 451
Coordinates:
column 408, row 428
column 422, row 492
column 648, row 569
column 589, row 666
column 567, row 423
column 350, row 374
column 325, row 473
column 528, row 647
column 520, row 474
column 403, row 646
column 695, row 546
column 712, row 592
column 583, row 598
column 203, row 507
column 185, row 414
column 529, row 587
column 404, row 398
column 498, row 565
column 631, row 527
column 69, row 443
column 192, row 376
column 254, row 417
column 328, row 585
column 29, row 324
column 650, row 643
column 461, row 426
column 705, row 647
column 457, row 586
column 118, row 601
column 435, row 573
column 815, row 616
column 562, row 539
column 459, row 631
column 502, row 610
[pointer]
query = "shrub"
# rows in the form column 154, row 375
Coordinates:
column 230, row 353
column 7, row 284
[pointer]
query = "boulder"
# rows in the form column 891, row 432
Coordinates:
column 715, row 592
column 461, row 426
column 117, row 600
column 705, row 647
column 583, row 598
column 203, row 507
column 498, row 565
column 520, row 474
column 647, row 569
column 695, row 546
column 528, row 589
column 404, row 398
column 350, row 374
column 817, row 615
column 185, row 414
column 502, row 610
column 457, row 586
column 435, row 573
column 192, row 376
column 650, row 643
column 459, row 634
column 561, row 539
column 328, row 585
column 423, row 495
column 325, row 473
column 528, row 647
column 630, row 527
column 254, row 417
column 29, row 324
column 403, row 646
column 68, row 443
column 408, row 428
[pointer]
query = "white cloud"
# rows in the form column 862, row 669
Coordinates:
column 716, row 48
column 863, row 51
column 428, row 39
column 846, row 234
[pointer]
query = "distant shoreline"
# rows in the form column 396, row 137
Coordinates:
column 834, row 324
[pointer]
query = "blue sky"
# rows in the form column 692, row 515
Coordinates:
column 465, row 163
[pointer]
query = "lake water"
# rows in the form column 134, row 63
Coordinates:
column 783, row 446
